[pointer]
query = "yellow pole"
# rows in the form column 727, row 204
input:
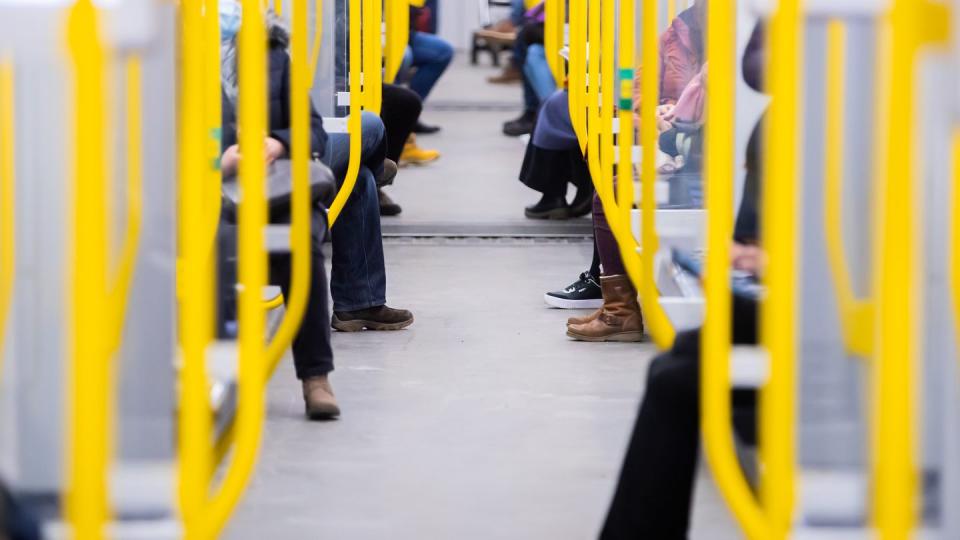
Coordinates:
column 354, row 124
column 855, row 314
column 654, row 317
column 576, row 81
column 781, row 238
column 252, row 266
column 89, row 441
column 300, row 204
column 317, row 40
column 625, row 188
column 593, row 96
column 398, row 34
column 715, row 408
column 196, row 303
column 8, row 248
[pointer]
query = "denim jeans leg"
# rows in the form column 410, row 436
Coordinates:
column 536, row 70
column 373, row 147
column 431, row 56
column 359, row 277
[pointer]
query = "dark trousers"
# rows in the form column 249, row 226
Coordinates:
column 653, row 496
column 312, row 354
column 400, row 112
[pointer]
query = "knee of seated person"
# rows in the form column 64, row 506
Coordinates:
column 536, row 51
column 371, row 124
column 445, row 52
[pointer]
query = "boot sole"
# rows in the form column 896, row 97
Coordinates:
column 330, row 414
column 619, row 337
column 360, row 325
column 564, row 303
column 556, row 213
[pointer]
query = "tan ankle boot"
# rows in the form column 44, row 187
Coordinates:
column 319, row 399
column 619, row 318
column 585, row 319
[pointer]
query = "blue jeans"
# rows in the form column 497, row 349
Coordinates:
column 359, row 276
column 431, row 56
column 517, row 10
column 537, row 73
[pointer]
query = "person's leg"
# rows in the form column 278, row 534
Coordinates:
column 609, row 250
column 431, row 56
column 359, row 278
column 653, row 495
column 373, row 147
column 517, row 10
column 537, row 72
column 400, row 111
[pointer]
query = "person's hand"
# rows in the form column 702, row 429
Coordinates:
column 748, row 258
column 230, row 160
column 274, row 150
column 663, row 125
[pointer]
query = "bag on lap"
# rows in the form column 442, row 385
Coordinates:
column 279, row 188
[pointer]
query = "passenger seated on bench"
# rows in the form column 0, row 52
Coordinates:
column 538, row 83
column 654, row 492
column 512, row 71
column 681, row 59
column 429, row 55
column 358, row 281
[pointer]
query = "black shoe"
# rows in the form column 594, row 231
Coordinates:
column 549, row 207
column 520, row 126
column 376, row 318
column 423, row 129
column 584, row 293
column 387, row 206
column 385, row 178
column 582, row 203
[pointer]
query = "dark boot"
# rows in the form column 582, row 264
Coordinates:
column 387, row 206
column 620, row 318
column 375, row 318
column 582, row 203
column 522, row 125
column 319, row 400
column 549, row 207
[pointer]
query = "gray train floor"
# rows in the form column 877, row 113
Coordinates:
column 482, row 420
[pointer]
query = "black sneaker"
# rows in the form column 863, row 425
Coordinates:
column 423, row 129
column 585, row 293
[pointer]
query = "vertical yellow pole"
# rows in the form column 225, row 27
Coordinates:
column 781, row 238
column 655, row 318
column 715, row 407
column 317, row 41
column 7, row 195
column 593, row 97
column 252, row 268
column 627, row 57
column 608, row 93
column 300, row 204
column 196, row 302
column 576, row 87
column 672, row 8
column 86, row 505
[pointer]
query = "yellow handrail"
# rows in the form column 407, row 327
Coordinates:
column 252, row 265
column 593, row 95
column 300, row 230
column 555, row 17
column 8, row 248
column 373, row 55
column 780, row 217
column 398, row 34
column 654, row 316
column 627, row 57
column 354, row 124
column 908, row 26
column 212, row 118
column 576, row 79
column 855, row 313
column 317, row 40
column 672, row 8
column 715, row 407
column 88, row 409
column 195, row 425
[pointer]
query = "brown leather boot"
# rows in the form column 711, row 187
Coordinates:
column 319, row 399
column 620, row 318
column 585, row 319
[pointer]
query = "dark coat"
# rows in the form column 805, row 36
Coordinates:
column 278, row 99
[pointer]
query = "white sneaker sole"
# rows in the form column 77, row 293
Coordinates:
column 562, row 303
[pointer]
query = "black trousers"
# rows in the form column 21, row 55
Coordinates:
column 653, row 496
column 312, row 354
column 400, row 112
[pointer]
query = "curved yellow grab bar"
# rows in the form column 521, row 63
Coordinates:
column 899, row 265
column 715, row 387
column 195, row 426
column 780, row 223
column 654, row 316
column 398, row 35
column 300, row 229
column 555, row 19
column 252, row 265
column 317, row 41
column 354, row 124
column 577, row 73
column 88, row 409
column 855, row 313
column 7, row 193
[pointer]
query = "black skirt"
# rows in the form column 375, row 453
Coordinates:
column 549, row 171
